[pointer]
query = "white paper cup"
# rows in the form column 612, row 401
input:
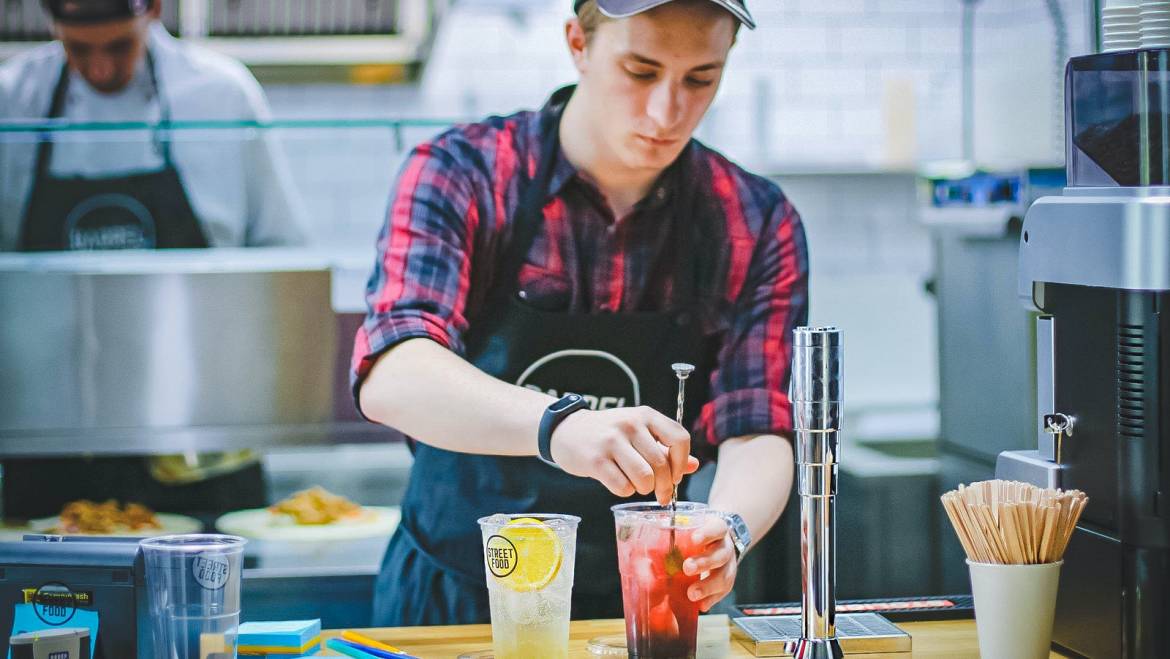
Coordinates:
column 1014, row 608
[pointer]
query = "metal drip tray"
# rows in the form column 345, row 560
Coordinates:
column 859, row 633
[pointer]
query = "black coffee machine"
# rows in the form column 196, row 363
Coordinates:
column 1095, row 263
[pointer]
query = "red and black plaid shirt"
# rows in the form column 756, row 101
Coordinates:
column 457, row 195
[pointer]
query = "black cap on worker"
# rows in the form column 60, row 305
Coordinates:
column 84, row 12
column 625, row 8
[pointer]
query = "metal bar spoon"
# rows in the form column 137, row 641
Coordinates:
column 682, row 371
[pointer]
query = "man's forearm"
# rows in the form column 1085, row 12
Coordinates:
column 754, row 478
column 430, row 393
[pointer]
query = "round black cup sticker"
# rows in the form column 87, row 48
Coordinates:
column 501, row 556
column 210, row 570
column 54, row 603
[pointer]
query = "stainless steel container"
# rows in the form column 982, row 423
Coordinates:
column 164, row 351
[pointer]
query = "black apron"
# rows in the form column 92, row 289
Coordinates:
column 137, row 211
column 433, row 571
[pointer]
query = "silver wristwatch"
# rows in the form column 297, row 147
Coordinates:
column 741, row 536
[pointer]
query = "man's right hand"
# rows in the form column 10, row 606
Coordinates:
column 627, row 449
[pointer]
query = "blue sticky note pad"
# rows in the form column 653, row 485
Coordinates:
column 25, row 619
column 285, row 633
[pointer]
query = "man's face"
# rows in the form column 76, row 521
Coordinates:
column 651, row 77
column 105, row 54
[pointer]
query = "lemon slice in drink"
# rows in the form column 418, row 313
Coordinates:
column 538, row 554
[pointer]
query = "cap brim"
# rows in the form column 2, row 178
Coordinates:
column 627, row 8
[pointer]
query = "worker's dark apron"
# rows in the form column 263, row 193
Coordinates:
column 433, row 571
column 136, row 211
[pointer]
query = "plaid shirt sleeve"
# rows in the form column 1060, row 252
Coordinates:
column 420, row 279
column 749, row 386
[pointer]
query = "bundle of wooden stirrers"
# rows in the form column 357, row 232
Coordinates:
column 1010, row 522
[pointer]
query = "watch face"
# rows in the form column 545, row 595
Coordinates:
column 566, row 402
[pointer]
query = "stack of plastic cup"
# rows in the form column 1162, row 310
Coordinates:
column 1121, row 25
column 193, row 587
column 1155, row 21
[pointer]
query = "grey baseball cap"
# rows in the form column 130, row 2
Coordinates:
column 86, row 12
column 625, row 8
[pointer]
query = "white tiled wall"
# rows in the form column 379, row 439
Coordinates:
column 824, row 81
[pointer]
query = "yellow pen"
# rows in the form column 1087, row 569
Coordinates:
column 349, row 635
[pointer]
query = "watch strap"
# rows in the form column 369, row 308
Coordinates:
column 553, row 416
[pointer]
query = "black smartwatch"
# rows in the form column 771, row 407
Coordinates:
column 553, row 415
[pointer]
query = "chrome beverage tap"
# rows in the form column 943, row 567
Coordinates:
column 817, row 399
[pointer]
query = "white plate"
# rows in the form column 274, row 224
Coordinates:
column 260, row 524
column 170, row 524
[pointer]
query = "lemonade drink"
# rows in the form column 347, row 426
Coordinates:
column 529, row 562
column 661, row 621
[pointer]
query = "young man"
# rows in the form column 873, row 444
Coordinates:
column 112, row 61
column 584, row 247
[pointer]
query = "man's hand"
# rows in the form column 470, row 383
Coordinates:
column 628, row 449
column 717, row 560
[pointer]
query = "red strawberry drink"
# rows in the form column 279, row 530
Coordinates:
column 661, row 621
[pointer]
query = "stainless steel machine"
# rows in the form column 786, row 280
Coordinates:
column 1095, row 263
column 818, row 388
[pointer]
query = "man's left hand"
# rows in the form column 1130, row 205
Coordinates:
column 717, row 560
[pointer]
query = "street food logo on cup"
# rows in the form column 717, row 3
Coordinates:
column 500, row 555
column 210, row 570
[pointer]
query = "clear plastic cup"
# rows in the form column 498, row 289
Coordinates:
column 652, row 542
column 193, row 587
column 529, row 563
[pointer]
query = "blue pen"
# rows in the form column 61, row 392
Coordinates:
column 358, row 651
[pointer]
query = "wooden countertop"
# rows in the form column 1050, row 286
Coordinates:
column 951, row 639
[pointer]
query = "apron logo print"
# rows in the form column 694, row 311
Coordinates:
column 595, row 403
column 500, row 555
column 210, row 571
column 619, row 380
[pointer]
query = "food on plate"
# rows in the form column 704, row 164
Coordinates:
column 316, row 506
column 108, row 518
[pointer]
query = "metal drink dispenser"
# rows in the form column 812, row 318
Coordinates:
column 817, row 398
